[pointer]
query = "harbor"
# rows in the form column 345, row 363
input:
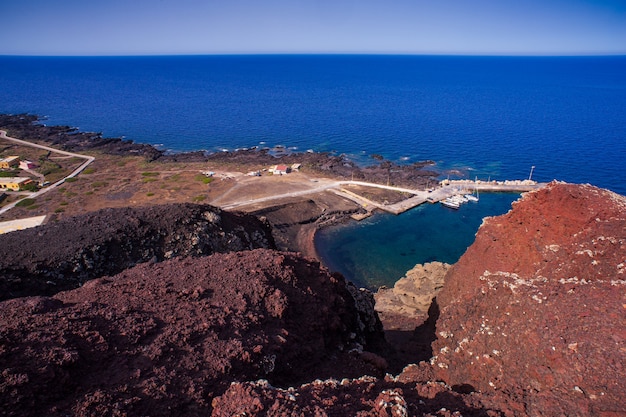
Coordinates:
column 446, row 191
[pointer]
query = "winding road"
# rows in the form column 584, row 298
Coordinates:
column 88, row 160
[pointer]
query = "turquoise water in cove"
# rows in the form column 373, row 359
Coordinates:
column 380, row 249
column 482, row 116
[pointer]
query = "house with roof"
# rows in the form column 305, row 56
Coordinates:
column 15, row 184
column 280, row 169
column 9, row 162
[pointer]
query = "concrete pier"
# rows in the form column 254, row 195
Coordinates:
column 450, row 188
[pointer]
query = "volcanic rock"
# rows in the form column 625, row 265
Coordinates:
column 165, row 339
column 536, row 307
column 63, row 255
column 413, row 294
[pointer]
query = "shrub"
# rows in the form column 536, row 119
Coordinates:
column 71, row 179
column 204, row 178
column 25, row 202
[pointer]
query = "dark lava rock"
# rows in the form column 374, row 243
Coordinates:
column 536, row 307
column 165, row 339
column 60, row 256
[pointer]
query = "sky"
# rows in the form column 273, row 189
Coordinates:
column 162, row 27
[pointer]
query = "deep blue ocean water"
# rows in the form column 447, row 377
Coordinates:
column 486, row 116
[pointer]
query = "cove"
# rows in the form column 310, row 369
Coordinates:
column 379, row 250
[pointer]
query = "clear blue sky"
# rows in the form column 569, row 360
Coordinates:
column 140, row 27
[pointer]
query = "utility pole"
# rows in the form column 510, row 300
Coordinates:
column 530, row 177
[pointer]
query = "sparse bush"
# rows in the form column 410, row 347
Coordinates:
column 204, row 178
column 25, row 202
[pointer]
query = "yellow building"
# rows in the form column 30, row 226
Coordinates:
column 15, row 184
column 9, row 162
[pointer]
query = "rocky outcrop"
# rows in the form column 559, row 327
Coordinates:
column 362, row 397
column 164, row 339
column 63, row 255
column 536, row 307
column 412, row 295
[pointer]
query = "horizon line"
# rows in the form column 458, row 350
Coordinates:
column 442, row 54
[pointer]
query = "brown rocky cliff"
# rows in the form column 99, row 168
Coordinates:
column 536, row 307
column 60, row 256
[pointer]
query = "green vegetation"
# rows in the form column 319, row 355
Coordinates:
column 89, row 171
column 8, row 174
column 25, row 202
column 32, row 187
column 59, row 210
column 203, row 178
column 72, row 179
column 149, row 176
column 97, row 184
column 63, row 203
column 149, row 194
column 199, row 198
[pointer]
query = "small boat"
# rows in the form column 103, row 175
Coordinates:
column 471, row 197
column 450, row 203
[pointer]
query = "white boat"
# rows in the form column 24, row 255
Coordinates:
column 471, row 197
column 450, row 203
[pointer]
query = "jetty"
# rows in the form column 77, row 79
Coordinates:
column 446, row 189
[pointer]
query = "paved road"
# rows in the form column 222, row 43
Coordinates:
column 88, row 160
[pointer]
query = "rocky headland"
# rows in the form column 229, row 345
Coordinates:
column 529, row 322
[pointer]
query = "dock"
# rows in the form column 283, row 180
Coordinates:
column 449, row 188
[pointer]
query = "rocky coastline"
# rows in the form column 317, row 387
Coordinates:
column 189, row 309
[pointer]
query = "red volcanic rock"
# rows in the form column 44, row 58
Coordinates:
column 362, row 397
column 165, row 339
column 536, row 307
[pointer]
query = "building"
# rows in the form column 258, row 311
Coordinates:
column 28, row 165
column 296, row 167
column 280, row 169
column 9, row 162
column 15, row 184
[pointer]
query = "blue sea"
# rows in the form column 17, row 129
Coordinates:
column 477, row 117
